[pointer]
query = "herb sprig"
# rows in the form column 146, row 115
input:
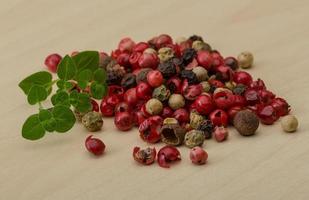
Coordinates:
column 82, row 69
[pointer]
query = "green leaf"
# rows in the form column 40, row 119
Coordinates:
column 46, row 120
column 42, row 78
column 64, row 118
column 60, row 84
column 36, row 94
column 87, row 60
column 60, row 98
column 81, row 101
column 32, row 128
column 83, row 77
column 68, row 85
column 98, row 90
column 100, row 75
column 66, row 68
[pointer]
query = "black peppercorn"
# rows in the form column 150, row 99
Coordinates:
column 239, row 89
column 207, row 127
column 193, row 38
column 128, row 81
column 168, row 69
column 188, row 56
column 231, row 62
column 113, row 78
column 142, row 75
column 189, row 75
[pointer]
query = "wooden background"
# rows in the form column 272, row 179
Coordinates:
column 271, row 165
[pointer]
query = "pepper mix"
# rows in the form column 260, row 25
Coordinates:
column 182, row 92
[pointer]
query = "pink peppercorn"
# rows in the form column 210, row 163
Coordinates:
column 126, row 45
column 94, row 145
column 148, row 60
column 242, row 77
column 220, row 133
column 204, row 59
column 140, row 47
column 219, row 117
column 52, row 62
column 198, row 155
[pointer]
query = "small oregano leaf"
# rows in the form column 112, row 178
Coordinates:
column 64, row 118
column 32, row 128
column 36, row 94
column 61, row 98
column 86, row 60
column 42, row 78
column 98, row 91
column 66, row 68
column 46, row 120
column 100, row 75
column 81, row 101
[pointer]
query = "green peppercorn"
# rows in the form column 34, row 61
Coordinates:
column 206, row 86
column 165, row 54
column 200, row 45
column 161, row 93
column 176, row 101
column 194, row 138
column 195, row 119
column 154, row 106
column 245, row 59
column 172, row 133
column 92, row 121
column 170, row 120
column 289, row 123
column 201, row 73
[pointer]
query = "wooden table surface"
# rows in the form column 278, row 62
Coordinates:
column 271, row 165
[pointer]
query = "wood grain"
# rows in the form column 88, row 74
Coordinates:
column 271, row 165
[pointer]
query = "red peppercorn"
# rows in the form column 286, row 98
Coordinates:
column 239, row 100
column 231, row 62
column 108, row 105
column 95, row 106
column 94, row 145
column 258, row 85
column 138, row 117
column 123, row 121
column 174, row 85
column 281, row 106
column 123, row 107
column 123, row 59
column 143, row 91
column 225, row 73
column 167, row 112
column 126, row 45
column 144, row 111
column 115, row 90
column 192, row 92
column 163, row 40
column 267, row 115
column 134, row 57
column 130, row 97
column 115, row 53
column 140, row 47
column 232, row 112
column 204, row 104
column 255, row 108
column 150, row 129
column 204, row 59
column 154, row 78
column 219, row 117
column 220, row 134
column 216, row 83
column 224, row 99
column 182, row 115
column 168, row 154
column 198, row 155
column 242, row 77
column 148, row 60
column 252, row 96
column 144, row 156
column 217, row 59
column 52, row 62
column 266, row 96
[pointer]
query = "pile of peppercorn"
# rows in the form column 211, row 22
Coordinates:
column 182, row 92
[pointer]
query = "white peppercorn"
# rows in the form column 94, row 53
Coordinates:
column 245, row 59
column 154, row 106
column 176, row 101
column 289, row 123
column 201, row 73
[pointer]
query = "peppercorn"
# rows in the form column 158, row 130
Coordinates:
column 172, row 133
column 246, row 122
column 189, row 75
column 220, row 133
column 245, row 59
column 207, row 128
column 201, row 73
column 165, row 54
column 198, row 156
column 161, row 93
column 230, row 85
column 195, row 119
column 150, row 50
column 206, row 86
column 113, row 78
column 195, row 38
column 231, row 62
column 289, row 123
column 194, row 138
column 154, row 106
column 92, row 121
column 221, row 89
column 188, row 55
column 142, row 75
column 168, row 69
column 239, row 89
column 176, row 101
column 128, row 81
column 79, row 115
column 169, row 121
column 200, row 45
